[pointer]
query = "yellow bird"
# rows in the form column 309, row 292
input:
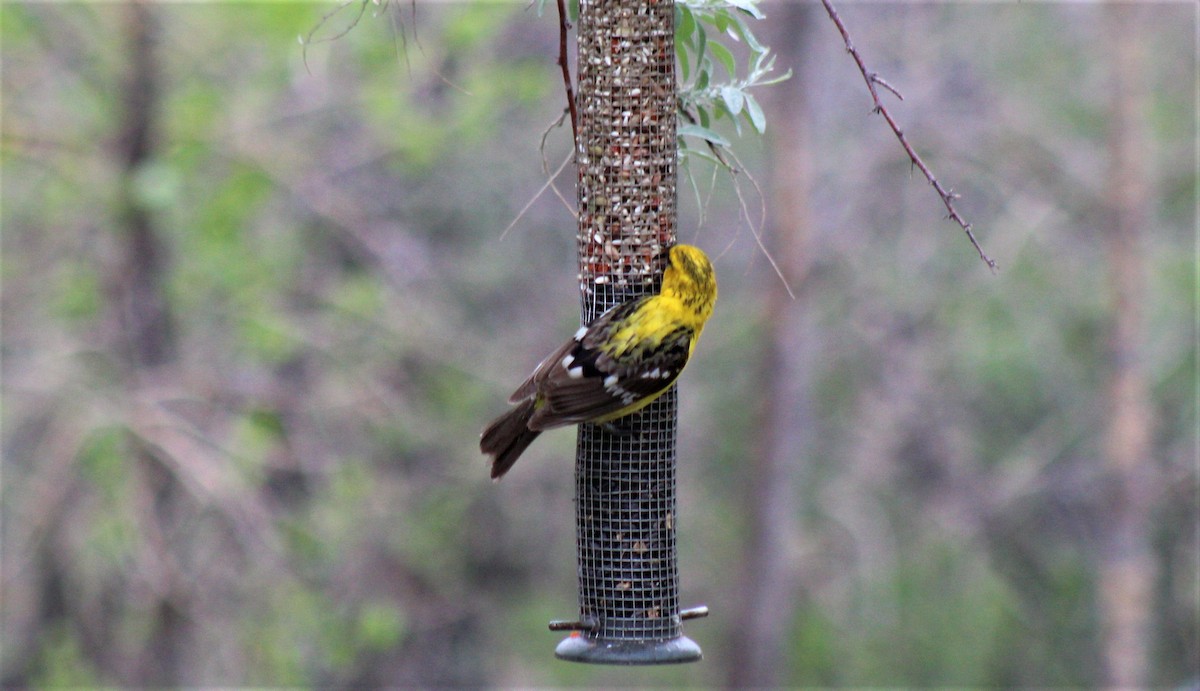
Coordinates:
column 626, row 358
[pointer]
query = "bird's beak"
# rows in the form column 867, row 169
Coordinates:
column 664, row 256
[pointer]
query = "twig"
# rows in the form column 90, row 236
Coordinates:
column 879, row 80
column 417, row 39
column 735, row 168
column 563, row 27
column 549, row 183
column 399, row 30
column 716, row 150
column 308, row 40
column 948, row 196
column 762, row 218
column 546, row 164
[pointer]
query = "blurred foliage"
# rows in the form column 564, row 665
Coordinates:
column 296, row 497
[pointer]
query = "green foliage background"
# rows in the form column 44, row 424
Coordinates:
column 296, row 496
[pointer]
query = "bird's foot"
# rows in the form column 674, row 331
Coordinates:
column 623, row 431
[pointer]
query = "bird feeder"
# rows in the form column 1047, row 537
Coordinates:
column 626, row 514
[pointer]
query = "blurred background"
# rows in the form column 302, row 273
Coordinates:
column 257, row 305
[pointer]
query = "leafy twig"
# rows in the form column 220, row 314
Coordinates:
column 948, row 196
column 704, row 99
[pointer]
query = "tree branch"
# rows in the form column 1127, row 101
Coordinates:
column 948, row 196
column 563, row 27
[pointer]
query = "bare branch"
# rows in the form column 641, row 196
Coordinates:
column 762, row 218
column 563, row 27
column 948, row 196
column 879, row 80
column 546, row 165
column 309, row 40
column 549, row 183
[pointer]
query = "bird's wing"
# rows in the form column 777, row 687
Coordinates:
column 586, row 335
column 528, row 388
column 586, row 384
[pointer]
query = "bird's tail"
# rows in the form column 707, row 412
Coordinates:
column 507, row 437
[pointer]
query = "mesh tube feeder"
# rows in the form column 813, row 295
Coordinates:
column 625, row 478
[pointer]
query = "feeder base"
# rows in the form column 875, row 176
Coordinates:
column 579, row 647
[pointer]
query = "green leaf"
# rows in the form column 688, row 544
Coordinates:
column 775, row 80
column 733, row 98
column 703, row 133
column 699, row 153
column 685, row 25
column 755, row 113
column 681, row 55
column 752, row 40
column 759, row 60
column 750, row 7
column 738, row 30
column 725, row 57
column 720, row 20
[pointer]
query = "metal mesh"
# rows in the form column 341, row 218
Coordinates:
column 625, row 477
column 626, row 149
column 625, row 524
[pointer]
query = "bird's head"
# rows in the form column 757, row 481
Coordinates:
column 690, row 277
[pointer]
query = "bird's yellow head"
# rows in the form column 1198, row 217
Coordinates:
column 689, row 276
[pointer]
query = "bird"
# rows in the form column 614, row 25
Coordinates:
column 618, row 364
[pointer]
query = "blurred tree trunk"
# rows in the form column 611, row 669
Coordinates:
column 147, row 327
column 1127, row 567
column 769, row 579
column 145, row 319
